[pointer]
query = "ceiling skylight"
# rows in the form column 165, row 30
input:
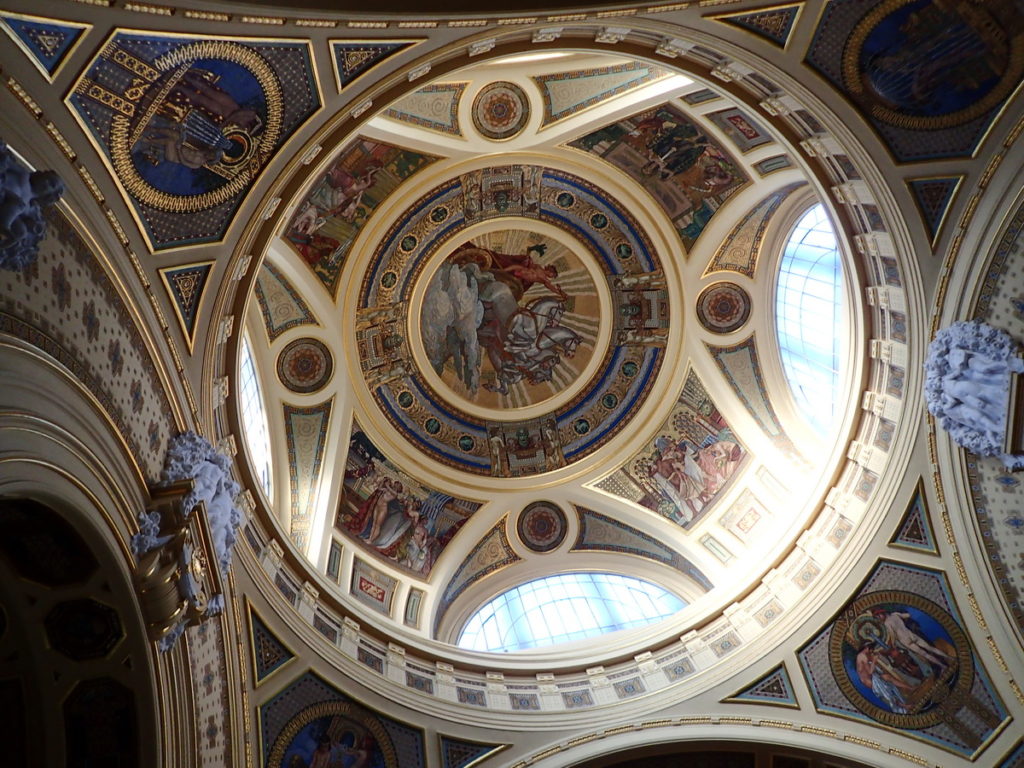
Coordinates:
column 564, row 608
column 809, row 317
column 254, row 418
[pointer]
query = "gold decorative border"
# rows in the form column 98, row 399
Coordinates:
column 723, row 17
column 50, row 78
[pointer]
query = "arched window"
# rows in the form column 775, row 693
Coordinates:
column 254, row 418
column 566, row 607
column 809, row 317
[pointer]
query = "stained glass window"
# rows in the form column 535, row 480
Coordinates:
column 566, row 607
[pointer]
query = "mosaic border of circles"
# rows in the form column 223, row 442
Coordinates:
column 313, row 382
column 717, row 319
column 538, row 541
column 485, row 124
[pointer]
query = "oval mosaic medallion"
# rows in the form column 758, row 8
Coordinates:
column 501, row 110
column 542, row 526
column 305, row 365
column 723, row 307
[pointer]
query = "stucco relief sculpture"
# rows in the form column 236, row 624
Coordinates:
column 177, row 582
column 967, row 386
column 23, row 194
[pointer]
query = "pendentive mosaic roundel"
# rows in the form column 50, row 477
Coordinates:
column 542, row 526
column 723, row 307
column 901, row 659
column 512, row 321
column 501, row 110
column 305, row 365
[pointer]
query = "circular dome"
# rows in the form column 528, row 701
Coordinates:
column 513, row 327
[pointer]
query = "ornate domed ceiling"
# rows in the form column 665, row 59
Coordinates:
column 544, row 281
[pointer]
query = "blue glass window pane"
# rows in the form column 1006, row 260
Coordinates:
column 808, row 317
column 563, row 608
column 254, row 418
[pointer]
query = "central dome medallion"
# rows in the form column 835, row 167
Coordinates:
column 512, row 321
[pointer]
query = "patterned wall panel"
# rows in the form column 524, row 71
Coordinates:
column 187, row 124
column 313, row 723
column 742, row 369
column 66, row 305
column 458, row 753
column 492, row 553
column 773, row 24
column 931, row 76
column 914, row 530
column 280, row 304
column 47, row 42
column 305, row 430
column 600, row 533
column 774, row 688
column 185, row 285
column 898, row 656
column 269, row 654
column 434, row 107
column 566, row 94
column 355, row 58
column 688, row 173
column 740, row 250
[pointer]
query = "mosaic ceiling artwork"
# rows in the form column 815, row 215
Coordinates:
column 187, row 124
column 681, row 472
column 48, row 42
column 898, row 655
column 931, row 76
column 688, row 173
column 331, row 215
column 556, row 310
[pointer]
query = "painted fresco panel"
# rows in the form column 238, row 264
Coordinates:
column 187, row 124
column 681, row 473
column 687, row 172
column 393, row 516
column 334, row 211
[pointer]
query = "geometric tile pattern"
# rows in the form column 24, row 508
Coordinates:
column 493, row 552
column 740, row 366
column 185, row 286
column 915, row 530
column 773, row 688
column 305, row 432
column 353, row 58
column 456, row 753
column 46, row 41
column 269, row 653
column 740, row 250
column 281, row 306
column 600, row 533
column 933, row 196
column 434, row 107
column 774, row 24
column 568, row 93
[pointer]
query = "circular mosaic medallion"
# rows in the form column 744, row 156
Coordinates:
column 305, row 365
column 500, row 110
column 723, row 307
column 542, row 526
column 522, row 350
column 901, row 659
